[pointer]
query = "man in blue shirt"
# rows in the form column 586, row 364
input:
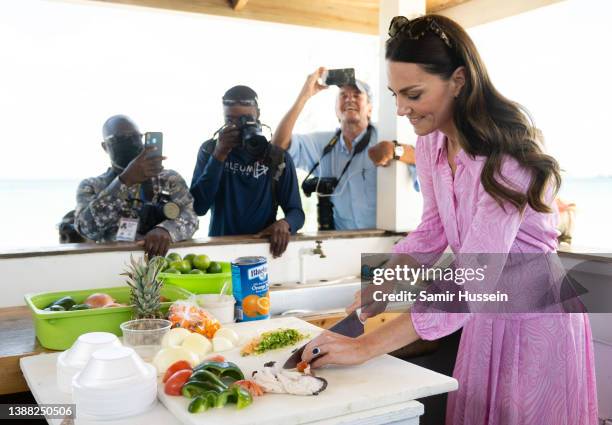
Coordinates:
column 354, row 198
column 243, row 180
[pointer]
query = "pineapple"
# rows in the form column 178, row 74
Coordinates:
column 145, row 286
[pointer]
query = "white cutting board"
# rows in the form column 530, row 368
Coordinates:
column 380, row 382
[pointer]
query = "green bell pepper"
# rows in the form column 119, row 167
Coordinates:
column 222, row 369
column 203, row 402
column 196, row 388
column 204, row 375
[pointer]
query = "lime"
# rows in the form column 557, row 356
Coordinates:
column 189, row 257
column 182, row 266
column 201, row 262
column 214, row 267
column 172, row 271
column 173, row 256
column 196, row 271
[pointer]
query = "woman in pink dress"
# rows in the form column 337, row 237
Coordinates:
column 487, row 188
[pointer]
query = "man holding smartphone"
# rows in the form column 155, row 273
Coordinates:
column 349, row 155
column 136, row 199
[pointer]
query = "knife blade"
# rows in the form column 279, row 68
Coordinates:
column 350, row 326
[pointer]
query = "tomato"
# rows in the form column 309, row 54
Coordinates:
column 218, row 358
column 176, row 381
column 175, row 367
column 302, row 366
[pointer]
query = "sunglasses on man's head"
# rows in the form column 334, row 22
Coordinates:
column 416, row 28
column 242, row 102
column 120, row 138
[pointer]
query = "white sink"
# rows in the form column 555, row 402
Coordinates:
column 313, row 297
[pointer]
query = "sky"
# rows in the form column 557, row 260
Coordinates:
column 68, row 65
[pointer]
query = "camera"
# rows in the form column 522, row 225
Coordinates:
column 325, row 208
column 251, row 136
column 322, row 185
column 151, row 214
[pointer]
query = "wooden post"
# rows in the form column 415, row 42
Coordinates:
column 398, row 205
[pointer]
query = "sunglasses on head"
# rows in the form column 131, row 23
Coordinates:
column 120, row 138
column 416, row 28
column 242, row 102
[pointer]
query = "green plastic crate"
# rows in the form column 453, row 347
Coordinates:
column 202, row 283
column 58, row 330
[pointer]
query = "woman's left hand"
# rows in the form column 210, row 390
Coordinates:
column 336, row 349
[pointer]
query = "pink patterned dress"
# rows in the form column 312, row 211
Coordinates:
column 527, row 369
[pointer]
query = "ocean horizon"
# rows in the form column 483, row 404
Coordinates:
column 33, row 209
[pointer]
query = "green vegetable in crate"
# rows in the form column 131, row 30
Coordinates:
column 65, row 303
column 196, row 271
column 221, row 369
column 80, row 307
column 172, row 271
column 182, row 266
column 145, row 286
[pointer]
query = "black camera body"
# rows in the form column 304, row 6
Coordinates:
column 153, row 213
column 321, row 185
column 325, row 208
column 251, row 136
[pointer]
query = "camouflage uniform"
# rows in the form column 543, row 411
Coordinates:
column 102, row 201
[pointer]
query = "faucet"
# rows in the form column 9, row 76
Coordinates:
column 309, row 251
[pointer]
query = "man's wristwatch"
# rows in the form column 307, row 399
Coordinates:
column 398, row 150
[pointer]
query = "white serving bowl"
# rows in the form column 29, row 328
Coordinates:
column 115, row 383
column 73, row 360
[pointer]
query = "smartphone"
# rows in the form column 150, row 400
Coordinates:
column 339, row 77
column 154, row 139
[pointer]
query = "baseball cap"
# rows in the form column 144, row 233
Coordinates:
column 363, row 87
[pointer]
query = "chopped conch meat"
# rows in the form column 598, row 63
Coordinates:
column 274, row 379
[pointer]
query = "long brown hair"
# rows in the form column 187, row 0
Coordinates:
column 488, row 124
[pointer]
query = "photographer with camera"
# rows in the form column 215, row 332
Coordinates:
column 243, row 179
column 135, row 199
column 343, row 162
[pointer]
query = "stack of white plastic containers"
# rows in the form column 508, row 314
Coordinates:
column 107, row 380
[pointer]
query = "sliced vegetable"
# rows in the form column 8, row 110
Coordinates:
column 217, row 358
column 195, row 388
column 302, row 366
column 240, row 396
column 176, row 381
column 221, row 369
column 199, row 344
column 207, row 376
column 251, row 386
column 222, row 344
column 198, row 405
column 167, row 356
column 229, row 334
column 175, row 337
column 175, row 367
column 272, row 340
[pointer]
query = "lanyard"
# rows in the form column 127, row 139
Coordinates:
column 359, row 147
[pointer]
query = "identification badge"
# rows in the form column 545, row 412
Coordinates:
column 127, row 229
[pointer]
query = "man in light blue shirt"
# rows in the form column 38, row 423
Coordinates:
column 356, row 140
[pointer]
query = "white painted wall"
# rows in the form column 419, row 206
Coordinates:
column 398, row 205
column 101, row 270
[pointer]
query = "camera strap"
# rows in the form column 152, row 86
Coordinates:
column 358, row 148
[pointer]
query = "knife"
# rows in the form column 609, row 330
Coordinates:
column 350, row 326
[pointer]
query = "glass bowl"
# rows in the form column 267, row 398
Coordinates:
column 145, row 336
